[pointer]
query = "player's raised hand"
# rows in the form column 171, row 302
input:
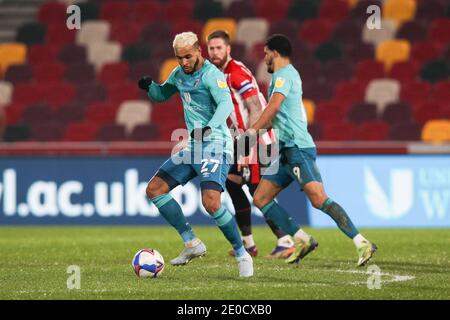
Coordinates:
column 200, row 133
column 145, row 82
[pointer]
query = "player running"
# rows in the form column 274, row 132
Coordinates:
column 207, row 105
column 248, row 105
column 297, row 156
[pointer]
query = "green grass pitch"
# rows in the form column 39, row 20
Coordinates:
column 414, row 264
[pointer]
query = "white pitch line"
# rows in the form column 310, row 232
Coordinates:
column 395, row 277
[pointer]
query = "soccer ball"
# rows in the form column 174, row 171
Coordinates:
column 148, row 263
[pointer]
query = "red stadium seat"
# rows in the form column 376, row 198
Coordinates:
column 79, row 73
column 40, row 53
column 59, row 94
column 367, row 70
column 266, row 9
column 428, row 111
column 125, row 32
column 441, row 92
column 334, row 10
column 82, row 131
column 73, row 53
column 145, row 11
column 424, row 51
column 330, row 112
column 13, row 113
column 114, row 72
column 19, row 73
column 115, row 11
column 178, row 10
column 101, row 113
column 372, row 131
column 51, row 131
column 405, row 71
column 28, row 94
column 59, row 36
column 408, row 131
column 52, row 72
column 339, row 131
column 111, row 132
column 91, row 91
column 69, row 113
column 52, row 13
column 415, row 92
column 350, row 91
column 362, row 112
column 118, row 93
column 145, row 132
column 440, row 31
column 37, row 114
column 314, row 31
column 396, row 113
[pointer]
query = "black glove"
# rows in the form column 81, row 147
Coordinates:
column 145, row 82
column 244, row 144
column 200, row 133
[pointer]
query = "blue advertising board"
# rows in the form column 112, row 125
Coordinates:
column 102, row 190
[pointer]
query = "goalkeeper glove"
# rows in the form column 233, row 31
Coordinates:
column 145, row 82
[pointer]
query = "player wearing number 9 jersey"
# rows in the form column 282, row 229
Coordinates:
column 207, row 105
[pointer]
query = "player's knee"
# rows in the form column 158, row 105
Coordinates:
column 211, row 204
column 318, row 200
column 154, row 189
column 259, row 200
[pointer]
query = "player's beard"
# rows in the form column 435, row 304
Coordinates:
column 194, row 68
column 222, row 62
column 270, row 66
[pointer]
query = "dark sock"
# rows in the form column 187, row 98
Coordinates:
column 241, row 207
column 338, row 214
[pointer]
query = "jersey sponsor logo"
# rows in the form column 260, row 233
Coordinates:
column 279, row 83
column 222, row 84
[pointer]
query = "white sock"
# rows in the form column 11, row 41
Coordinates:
column 302, row 235
column 248, row 241
column 285, row 241
column 359, row 240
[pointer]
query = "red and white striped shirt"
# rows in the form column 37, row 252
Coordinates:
column 243, row 85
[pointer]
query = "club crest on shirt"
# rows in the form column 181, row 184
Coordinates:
column 221, row 84
column 279, row 83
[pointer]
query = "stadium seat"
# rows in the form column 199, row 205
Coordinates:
column 226, row 24
column 367, row 70
column 27, row 94
column 60, row 36
column 392, row 51
column 310, row 109
column 436, row 131
column 302, row 10
column 80, row 131
column 284, row 26
column 330, row 112
column 408, row 131
column 376, row 36
column 125, row 33
column 40, row 53
column 19, row 73
column 179, row 10
column 350, row 91
column 111, row 132
column 52, row 13
column 13, row 113
column 428, row 111
column 314, row 31
column 381, row 92
column 336, row 71
column 70, row 113
column 145, row 132
column 205, row 10
column 334, row 10
column 440, row 31
column 372, row 131
column 14, row 133
column 50, row 131
column 266, row 9
column 415, row 92
column 103, row 53
column 251, row 30
column 399, row 11
column 179, row 26
column 101, row 113
column 89, row 10
column 157, row 32
column 395, row 113
column 339, row 132
column 6, row 91
column 59, row 94
column 167, row 68
column 118, row 93
column 31, row 33
column 37, row 114
column 144, row 11
column 79, row 73
column 405, row 72
column 49, row 72
column 137, row 70
column 424, row 51
column 412, row 31
column 430, row 10
column 362, row 112
column 90, row 92
column 240, row 9
column 319, row 91
column 435, row 70
column 114, row 72
column 72, row 53
column 328, row 51
column 441, row 92
column 315, row 130
column 115, row 10
column 93, row 32
column 360, row 51
column 133, row 113
column 11, row 53
column 136, row 52
column 347, row 32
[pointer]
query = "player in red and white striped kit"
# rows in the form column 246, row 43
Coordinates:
column 249, row 103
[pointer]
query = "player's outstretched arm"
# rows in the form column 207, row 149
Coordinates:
column 156, row 91
column 265, row 121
